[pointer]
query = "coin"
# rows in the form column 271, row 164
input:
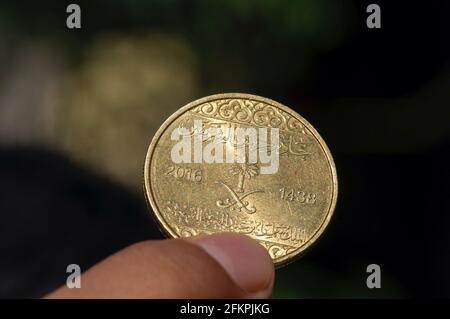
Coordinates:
column 246, row 164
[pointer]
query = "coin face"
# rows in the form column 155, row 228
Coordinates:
column 246, row 164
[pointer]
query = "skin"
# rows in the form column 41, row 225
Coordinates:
column 214, row 266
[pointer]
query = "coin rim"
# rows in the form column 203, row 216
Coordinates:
column 148, row 190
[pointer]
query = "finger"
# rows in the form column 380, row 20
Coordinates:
column 214, row 266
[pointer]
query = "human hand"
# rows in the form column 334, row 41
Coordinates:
column 213, row 266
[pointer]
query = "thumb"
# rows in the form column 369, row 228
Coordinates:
column 211, row 266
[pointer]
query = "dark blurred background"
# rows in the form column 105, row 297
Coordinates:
column 79, row 107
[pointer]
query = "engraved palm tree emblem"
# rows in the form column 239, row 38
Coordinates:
column 237, row 196
column 243, row 171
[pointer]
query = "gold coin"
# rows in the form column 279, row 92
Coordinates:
column 246, row 164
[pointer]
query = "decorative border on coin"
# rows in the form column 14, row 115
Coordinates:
column 255, row 113
column 223, row 106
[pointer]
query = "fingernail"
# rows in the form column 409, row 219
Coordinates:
column 246, row 261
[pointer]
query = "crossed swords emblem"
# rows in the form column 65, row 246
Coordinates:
column 237, row 197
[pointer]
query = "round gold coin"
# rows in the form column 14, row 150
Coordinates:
column 246, row 164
